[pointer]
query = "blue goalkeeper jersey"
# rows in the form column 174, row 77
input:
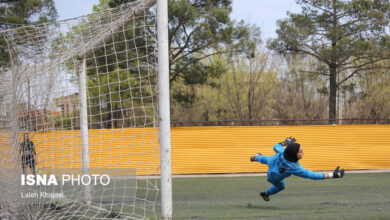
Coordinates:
column 280, row 168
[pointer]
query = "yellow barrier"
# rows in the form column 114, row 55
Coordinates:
column 220, row 149
column 227, row 149
column 131, row 148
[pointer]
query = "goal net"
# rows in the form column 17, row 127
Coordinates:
column 78, row 117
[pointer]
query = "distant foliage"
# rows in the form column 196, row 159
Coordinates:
column 23, row 12
column 347, row 38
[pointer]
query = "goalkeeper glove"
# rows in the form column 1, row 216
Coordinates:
column 253, row 158
column 288, row 141
column 337, row 173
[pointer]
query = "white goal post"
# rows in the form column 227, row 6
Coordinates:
column 164, row 109
column 92, row 94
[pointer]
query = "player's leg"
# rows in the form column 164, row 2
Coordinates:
column 24, row 164
column 259, row 157
column 264, row 159
column 32, row 164
column 275, row 188
column 29, row 162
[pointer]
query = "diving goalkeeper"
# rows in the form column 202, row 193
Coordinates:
column 286, row 163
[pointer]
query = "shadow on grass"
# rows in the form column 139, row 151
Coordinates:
column 334, row 203
column 250, row 205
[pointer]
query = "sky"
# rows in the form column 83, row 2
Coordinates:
column 74, row 8
column 263, row 13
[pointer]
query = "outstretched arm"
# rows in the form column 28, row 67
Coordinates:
column 337, row 173
column 301, row 172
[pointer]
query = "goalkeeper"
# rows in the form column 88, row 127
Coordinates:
column 27, row 150
column 285, row 163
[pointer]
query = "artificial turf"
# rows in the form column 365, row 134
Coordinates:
column 356, row 196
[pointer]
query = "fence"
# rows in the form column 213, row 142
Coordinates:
column 277, row 122
column 214, row 149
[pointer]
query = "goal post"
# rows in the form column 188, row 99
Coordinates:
column 82, row 78
column 164, row 109
column 92, row 93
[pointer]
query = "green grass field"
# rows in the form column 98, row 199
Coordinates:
column 356, row 196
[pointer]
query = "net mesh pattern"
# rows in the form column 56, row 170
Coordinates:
column 40, row 95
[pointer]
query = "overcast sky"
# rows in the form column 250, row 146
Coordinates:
column 263, row 13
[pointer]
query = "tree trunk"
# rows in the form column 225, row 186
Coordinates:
column 332, row 93
column 250, row 104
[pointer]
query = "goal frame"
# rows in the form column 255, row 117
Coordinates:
column 163, row 105
column 163, row 99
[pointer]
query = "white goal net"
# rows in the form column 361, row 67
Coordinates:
column 79, row 105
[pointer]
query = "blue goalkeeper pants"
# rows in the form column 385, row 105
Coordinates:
column 277, row 186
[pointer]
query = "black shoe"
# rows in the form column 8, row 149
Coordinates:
column 265, row 197
column 253, row 158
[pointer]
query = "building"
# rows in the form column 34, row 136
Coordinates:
column 67, row 104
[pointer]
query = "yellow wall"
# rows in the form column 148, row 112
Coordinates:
column 227, row 149
column 109, row 148
column 220, row 149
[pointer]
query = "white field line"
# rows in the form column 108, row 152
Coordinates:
column 256, row 174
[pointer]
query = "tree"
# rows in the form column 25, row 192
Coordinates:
column 250, row 85
column 344, row 36
column 23, row 12
column 245, row 92
column 300, row 93
column 198, row 29
column 369, row 96
column 120, row 99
